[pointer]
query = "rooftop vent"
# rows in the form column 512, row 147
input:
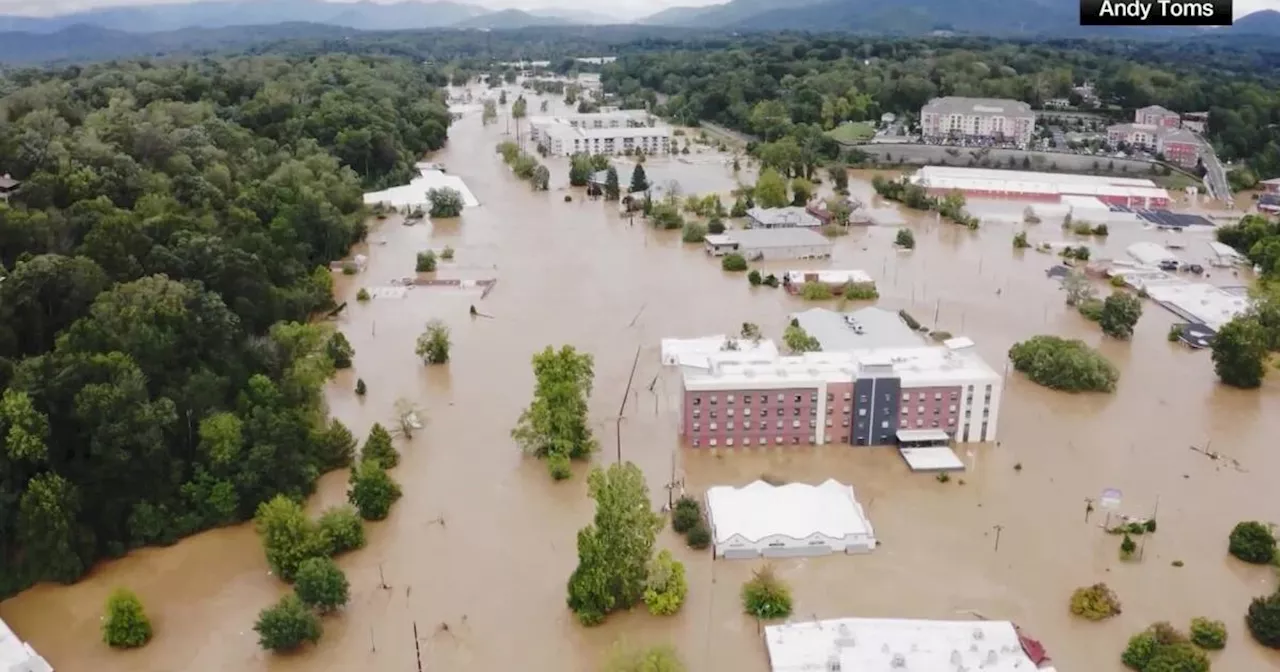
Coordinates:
column 956, row 659
column 899, row 662
column 992, row 658
column 978, row 634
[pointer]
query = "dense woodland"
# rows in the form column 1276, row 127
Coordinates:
column 161, row 261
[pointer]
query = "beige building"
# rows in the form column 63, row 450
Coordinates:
column 611, row 133
column 977, row 119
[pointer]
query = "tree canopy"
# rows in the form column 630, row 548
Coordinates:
column 171, row 238
column 1064, row 364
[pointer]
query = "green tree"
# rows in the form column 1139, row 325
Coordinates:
column 639, row 181
column 755, row 278
column 802, row 191
column 665, row 586
column 47, row 529
column 839, row 175
column 1068, row 365
column 1208, row 634
column 1120, row 312
column 905, row 239
column 1095, row 603
column 1240, row 352
column 611, row 188
column 699, row 536
column 654, row 659
column 126, row 625
column 771, row 189
column 733, row 262
column 379, row 447
column 614, row 551
column 372, row 490
column 739, row 209
column 434, row 344
column 321, row 585
column 770, row 119
column 798, row 341
column 446, row 202
column 288, row 536
column 541, row 179
column 342, row 528
column 334, row 444
column 580, row 170
column 490, row 113
column 693, row 233
column 687, row 512
column 287, row 625
column 426, row 262
column 1263, row 619
column 1020, row 241
column 554, row 425
column 766, row 596
column 340, row 351
column 1252, row 542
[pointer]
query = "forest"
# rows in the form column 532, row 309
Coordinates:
column 161, row 263
column 821, row 81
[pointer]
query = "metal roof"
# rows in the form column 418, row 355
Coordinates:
column 792, row 236
column 961, row 105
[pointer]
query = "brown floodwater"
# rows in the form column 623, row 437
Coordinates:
column 477, row 552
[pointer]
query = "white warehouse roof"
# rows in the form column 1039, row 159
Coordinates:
column 1150, row 253
column 795, row 511
column 830, row 277
column 414, row 194
column 896, row 645
column 18, row 656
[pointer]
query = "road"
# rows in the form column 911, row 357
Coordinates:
column 1216, row 177
column 728, row 134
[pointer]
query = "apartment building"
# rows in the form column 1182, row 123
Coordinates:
column 978, row 119
column 1154, row 115
column 613, row 133
column 860, row 398
column 1179, row 146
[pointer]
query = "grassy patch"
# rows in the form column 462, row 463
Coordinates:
column 852, row 133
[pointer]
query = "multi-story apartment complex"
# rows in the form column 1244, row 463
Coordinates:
column 977, row 119
column 1178, row 145
column 1154, row 115
column 611, row 133
column 860, row 398
column 1137, row 135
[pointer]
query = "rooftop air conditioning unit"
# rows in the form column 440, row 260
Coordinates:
column 899, row 662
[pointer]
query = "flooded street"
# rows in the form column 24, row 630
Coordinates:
column 478, row 551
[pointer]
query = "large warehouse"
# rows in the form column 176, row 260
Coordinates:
column 787, row 521
column 1041, row 187
column 785, row 243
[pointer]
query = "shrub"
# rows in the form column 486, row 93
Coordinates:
column 859, row 291
column 734, row 263
column 1162, row 648
column 433, row 343
column 1138, row 653
column 372, row 491
column 361, row 388
column 815, row 291
column 1091, row 309
column 905, row 239
column 288, row 536
column 1117, row 281
column 1179, row 657
column 378, row 447
column 1175, row 333
column 1252, row 542
column 426, row 262
column 693, row 232
column 699, row 536
column 1020, row 241
column 559, row 466
column 1263, row 619
column 686, row 515
column 766, row 596
column 342, row 529
column 339, row 350
column 363, row 295
column 287, row 625
column 655, row 659
column 447, row 253
column 1127, row 547
column 1120, row 312
column 715, row 226
column 1064, row 364
column 126, row 625
column 321, row 585
column 666, row 587
column 754, row 278
column 1208, row 634
column 1095, row 603
column 771, row 280
column 445, row 202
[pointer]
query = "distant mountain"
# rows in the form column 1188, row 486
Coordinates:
column 79, row 43
column 224, row 13
column 578, row 17
column 1265, row 22
column 511, row 19
column 678, row 16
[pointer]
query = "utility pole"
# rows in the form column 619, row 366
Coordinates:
column 621, row 408
column 1142, row 546
column 1088, row 508
column 998, row 529
column 673, row 484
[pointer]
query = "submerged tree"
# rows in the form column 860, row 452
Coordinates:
column 287, row 625
column 380, row 448
column 1120, row 312
column 766, row 596
column 541, row 179
column 554, row 426
column 126, row 625
column 433, row 344
column 639, row 181
column 1240, row 353
column 340, row 351
column 372, row 490
column 445, row 202
column 614, row 551
column 288, row 536
column 321, row 585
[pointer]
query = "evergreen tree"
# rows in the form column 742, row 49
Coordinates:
column 611, row 188
column 639, row 181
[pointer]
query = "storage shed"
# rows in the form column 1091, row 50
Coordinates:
column 792, row 520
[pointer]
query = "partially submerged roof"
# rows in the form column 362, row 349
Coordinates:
column 784, row 237
column 794, row 510
column 837, row 332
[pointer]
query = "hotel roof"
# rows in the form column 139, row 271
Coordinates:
column 961, row 105
column 703, row 352
column 880, row 329
column 915, row 366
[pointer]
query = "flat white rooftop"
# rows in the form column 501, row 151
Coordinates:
column 18, row 656
column 1021, row 182
column 896, row 645
column 704, row 352
column 1199, row 302
column 796, row 510
column 414, row 194
column 1150, row 253
column 1031, row 176
column 932, row 458
column 830, row 277
column 915, row 366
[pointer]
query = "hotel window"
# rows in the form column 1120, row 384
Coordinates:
column 782, row 398
column 764, row 425
column 795, row 440
column 697, row 413
column 937, row 410
column 746, row 399
column 920, row 422
column 779, row 424
column 862, row 412
column 831, row 411
column 935, row 424
column 729, row 412
column 846, row 410
column 696, row 443
column 799, row 398
column 697, row 426
column 795, row 412
column 862, row 398
column 884, row 425
column 762, row 441
column 777, row 440
column 904, row 423
column 847, row 396
column 830, row 397
column 795, row 424
column 983, row 435
column 951, row 421
column 728, row 399
column 713, row 427
column 828, row 422
column 712, row 443
column 728, row 441
column 728, row 425
column 921, row 398
column 906, row 397
column 697, row 401
column 919, row 409
column 951, row 408
column 813, row 398
column 813, row 412
column 813, row 424
column 812, row 440
column 937, row 396
column 844, row 423
column 746, row 412
column 713, row 414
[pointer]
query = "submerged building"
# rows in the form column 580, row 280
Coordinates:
column 787, row 521
column 611, row 133
column 17, row 655
column 1039, row 187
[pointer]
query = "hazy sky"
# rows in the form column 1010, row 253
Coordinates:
column 620, row 8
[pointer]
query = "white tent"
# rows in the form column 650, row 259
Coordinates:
column 791, row 520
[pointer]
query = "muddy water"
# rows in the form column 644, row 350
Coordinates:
column 478, row 550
